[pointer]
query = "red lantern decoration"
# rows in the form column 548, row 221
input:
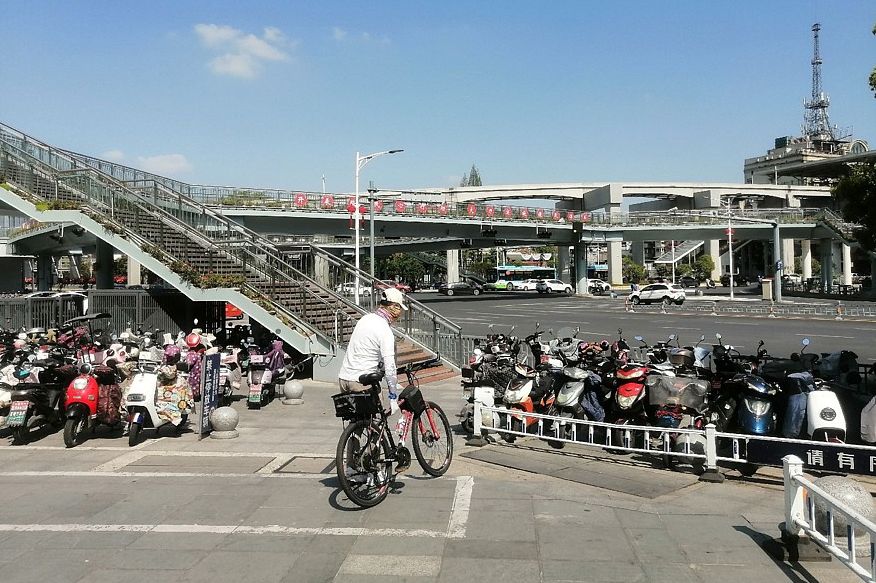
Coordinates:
column 327, row 201
column 490, row 211
column 585, row 217
column 539, row 213
column 401, row 206
column 471, row 209
column 570, row 216
column 556, row 215
column 524, row 213
column 442, row 209
column 301, row 200
column 378, row 206
column 507, row 212
column 422, row 208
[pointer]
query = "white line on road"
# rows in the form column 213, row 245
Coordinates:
column 461, row 506
column 678, row 328
column 223, row 529
column 826, row 336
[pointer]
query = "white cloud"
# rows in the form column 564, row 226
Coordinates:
column 242, row 53
column 113, row 156
column 341, row 35
column 338, row 34
column 164, row 164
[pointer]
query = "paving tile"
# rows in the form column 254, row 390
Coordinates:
column 147, row 559
column 400, row 545
column 653, row 544
column 315, row 567
column 592, row 571
column 506, row 526
column 489, row 549
column 657, row 571
column 455, row 569
column 425, row 565
column 223, row 565
column 743, row 572
column 117, row 575
column 177, row 541
column 269, row 543
column 60, row 565
column 638, row 518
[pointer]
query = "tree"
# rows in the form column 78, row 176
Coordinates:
column 473, row 178
column 856, row 193
column 798, row 265
column 703, row 267
column 632, row 271
column 404, row 268
column 873, row 73
column 683, row 270
column 482, row 269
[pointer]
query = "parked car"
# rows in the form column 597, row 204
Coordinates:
column 459, row 288
column 658, row 292
column 688, row 281
column 386, row 283
column 597, row 286
column 547, row 286
column 349, row 289
column 527, row 284
column 792, row 279
column 738, row 279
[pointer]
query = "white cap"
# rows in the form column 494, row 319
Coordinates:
column 395, row 296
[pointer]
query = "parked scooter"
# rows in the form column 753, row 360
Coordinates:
column 231, row 379
column 157, row 396
column 92, row 398
column 38, row 403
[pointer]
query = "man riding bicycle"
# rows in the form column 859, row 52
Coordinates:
column 372, row 347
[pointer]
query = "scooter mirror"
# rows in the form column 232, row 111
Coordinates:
column 672, row 337
column 639, row 338
column 702, row 337
column 718, row 336
column 805, row 342
column 195, row 321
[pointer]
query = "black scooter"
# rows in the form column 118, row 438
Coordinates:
column 35, row 404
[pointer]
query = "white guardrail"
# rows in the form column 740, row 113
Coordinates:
column 800, row 499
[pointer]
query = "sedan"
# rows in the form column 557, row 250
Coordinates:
column 460, row 287
column 527, row 284
column 688, row 281
column 547, row 286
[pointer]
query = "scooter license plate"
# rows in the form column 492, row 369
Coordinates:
column 17, row 413
column 255, row 393
column 256, row 359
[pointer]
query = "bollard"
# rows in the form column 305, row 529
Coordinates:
column 293, row 393
column 714, row 310
column 628, row 305
column 839, row 310
column 224, row 422
column 662, row 307
column 772, row 310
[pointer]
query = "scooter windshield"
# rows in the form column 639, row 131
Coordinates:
column 687, row 392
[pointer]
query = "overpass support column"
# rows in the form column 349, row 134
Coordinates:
column 847, row 264
column 133, row 271
column 806, row 258
column 104, row 265
column 45, row 273
column 563, row 272
column 826, row 248
column 615, row 264
column 788, row 255
column 712, row 248
column 638, row 252
column 452, row 265
column 581, row 284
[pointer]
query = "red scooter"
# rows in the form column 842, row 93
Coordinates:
column 93, row 398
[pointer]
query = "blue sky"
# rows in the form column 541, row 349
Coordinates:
column 278, row 94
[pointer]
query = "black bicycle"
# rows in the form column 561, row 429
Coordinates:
column 367, row 449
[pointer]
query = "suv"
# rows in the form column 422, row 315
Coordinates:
column 547, row 286
column 738, row 279
column 688, row 281
column 658, row 292
column 528, row 285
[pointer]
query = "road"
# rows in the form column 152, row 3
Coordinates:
column 600, row 318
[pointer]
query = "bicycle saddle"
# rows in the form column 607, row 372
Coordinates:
column 371, row 378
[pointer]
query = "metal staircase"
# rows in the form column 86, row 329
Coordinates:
column 195, row 248
column 681, row 252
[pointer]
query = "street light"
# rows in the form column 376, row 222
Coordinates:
column 361, row 161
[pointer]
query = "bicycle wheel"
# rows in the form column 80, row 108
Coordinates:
column 432, row 440
column 363, row 463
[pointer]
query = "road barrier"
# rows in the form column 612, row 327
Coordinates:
column 801, row 496
column 705, row 449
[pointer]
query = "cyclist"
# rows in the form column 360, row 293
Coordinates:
column 372, row 346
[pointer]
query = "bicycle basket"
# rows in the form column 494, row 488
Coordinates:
column 351, row 406
column 411, row 399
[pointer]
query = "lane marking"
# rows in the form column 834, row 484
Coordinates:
column 104, row 474
column 222, row 529
column 277, row 463
column 826, row 336
column 461, row 506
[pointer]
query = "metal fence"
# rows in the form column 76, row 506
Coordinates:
column 167, row 310
column 801, row 498
column 30, row 313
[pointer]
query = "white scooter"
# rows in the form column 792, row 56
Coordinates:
column 157, row 396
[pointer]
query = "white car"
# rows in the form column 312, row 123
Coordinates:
column 546, row 286
column 527, row 284
column 349, row 289
column 658, row 292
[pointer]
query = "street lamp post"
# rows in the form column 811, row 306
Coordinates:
column 372, row 196
column 361, row 161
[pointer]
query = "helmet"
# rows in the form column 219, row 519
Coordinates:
column 604, row 345
column 393, row 295
column 193, row 339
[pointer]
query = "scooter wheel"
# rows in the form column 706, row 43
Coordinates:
column 134, row 433
column 73, row 429
column 19, row 435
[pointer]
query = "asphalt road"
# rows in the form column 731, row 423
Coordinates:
column 600, row 317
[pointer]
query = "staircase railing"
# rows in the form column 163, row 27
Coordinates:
column 63, row 180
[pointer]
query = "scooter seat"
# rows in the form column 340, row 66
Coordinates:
column 371, row 378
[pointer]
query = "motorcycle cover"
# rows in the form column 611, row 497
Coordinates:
column 868, row 422
column 109, row 402
column 173, row 401
column 687, row 392
column 795, row 412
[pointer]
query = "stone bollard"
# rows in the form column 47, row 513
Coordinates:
column 839, row 311
column 772, row 311
column 224, row 422
column 714, row 310
column 662, row 307
column 293, row 393
column 853, row 495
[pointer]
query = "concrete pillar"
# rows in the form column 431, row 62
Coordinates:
column 45, row 273
column 563, row 272
column 638, row 252
column 581, row 268
column 133, row 271
column 103, row 265
column 615, row 264
column 713, row 249
column 806, row 258
column 826, row 248
column 788, row 255
column 452, row 265
column 847, row 264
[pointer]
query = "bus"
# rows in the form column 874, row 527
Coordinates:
column 506, row 276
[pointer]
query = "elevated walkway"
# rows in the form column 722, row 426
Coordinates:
column 680, row 252
column 200, row 252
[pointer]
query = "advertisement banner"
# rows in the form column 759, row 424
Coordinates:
column 210, row 393
column 829, row 457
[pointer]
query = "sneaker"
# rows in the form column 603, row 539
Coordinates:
column 355, row 476
column 402, row 467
